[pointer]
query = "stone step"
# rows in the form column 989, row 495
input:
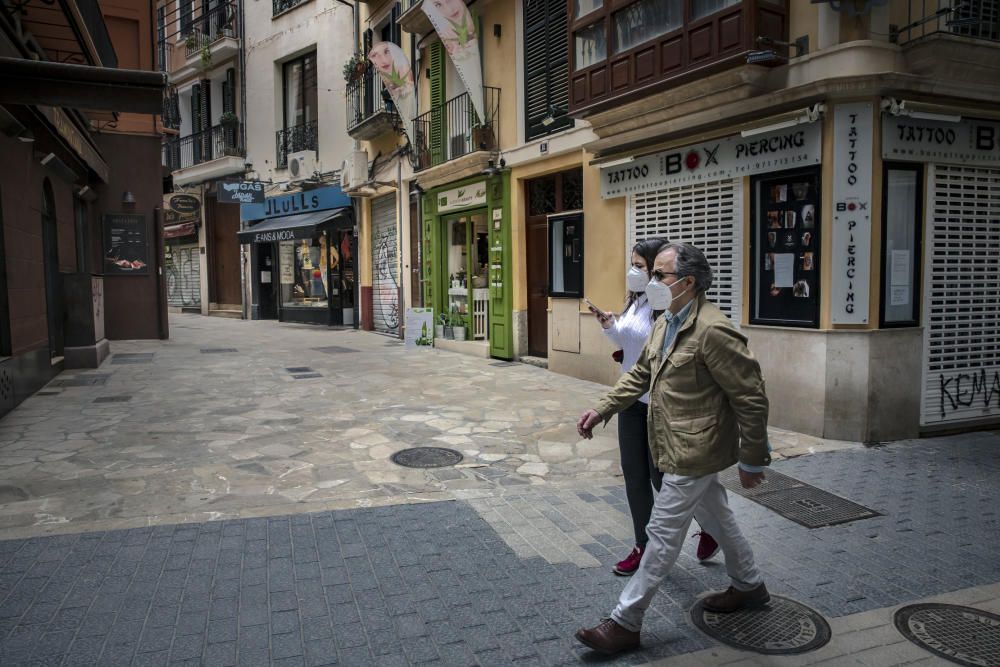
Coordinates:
column 232, row 314
column 541, row 362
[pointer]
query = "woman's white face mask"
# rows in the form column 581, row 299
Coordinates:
column 636, row 279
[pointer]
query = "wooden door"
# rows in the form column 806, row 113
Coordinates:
column 226, row 255
column 538, row 300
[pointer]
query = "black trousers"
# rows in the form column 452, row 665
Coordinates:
column 641, row 474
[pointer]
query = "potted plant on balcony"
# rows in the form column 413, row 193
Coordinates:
column 206, row 57
column 191, row 42
column 355, row 67
column 229, row 119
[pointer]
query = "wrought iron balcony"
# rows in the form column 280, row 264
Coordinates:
column 208, row 28
column 923, row 18
column 294, row 139
column 370, row 110
column 211, row 144
column 454, row 129
column 280, row 6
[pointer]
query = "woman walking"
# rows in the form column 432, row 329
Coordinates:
column 629, row 333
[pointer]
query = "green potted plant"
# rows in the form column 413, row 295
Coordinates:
column 206, row 57
column 354, row 68
column 229, row 119
column 191, row 42
column 458, row 326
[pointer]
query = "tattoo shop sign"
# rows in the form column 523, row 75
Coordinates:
column 852, row 223
column 730, row 157
column 970, row 141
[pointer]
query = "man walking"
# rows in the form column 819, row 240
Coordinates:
column 707, row 411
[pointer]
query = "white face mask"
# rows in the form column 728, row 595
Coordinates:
column 636, row 280
column 659, row 295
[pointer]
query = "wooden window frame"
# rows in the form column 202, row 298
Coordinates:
column 668, row 58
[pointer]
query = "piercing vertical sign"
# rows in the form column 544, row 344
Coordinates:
column 852, row 190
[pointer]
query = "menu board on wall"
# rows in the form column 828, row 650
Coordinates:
column 126, row 244
column 786, row 250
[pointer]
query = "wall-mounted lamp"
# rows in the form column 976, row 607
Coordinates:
column 898, row 108
column 416, row 189
column 128, row 199
column 491, row 170
column 769, row 54
column 26, row 136
column 553, row 113
column 810, row 115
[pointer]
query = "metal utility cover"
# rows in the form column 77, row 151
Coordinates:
column 306, row 376
column 962, row 635
column 797, row 501
column 502, row 364
column 113, row 399
column 783, row 627
column 83, row 381
column 427, row 457
column 218, row 350
column 299, row 369
column 133, row 358
column 333, row 349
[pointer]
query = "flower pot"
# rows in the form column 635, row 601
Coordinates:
column 439, row 331
column 459, row 333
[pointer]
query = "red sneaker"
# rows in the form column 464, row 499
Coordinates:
column 707, row 546
column 627, row 567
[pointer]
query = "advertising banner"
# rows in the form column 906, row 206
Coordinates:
column 126, row 244
column 394, row 70
column 419, row 327
column 454, row 25
column 240, row 192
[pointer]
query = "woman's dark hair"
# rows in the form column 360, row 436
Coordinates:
column 648, row 249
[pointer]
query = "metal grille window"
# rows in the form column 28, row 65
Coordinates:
column 546, row 67
column 708, row 216
column 962, row 306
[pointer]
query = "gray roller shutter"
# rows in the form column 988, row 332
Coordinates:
column 183, row 271
column 385, row 265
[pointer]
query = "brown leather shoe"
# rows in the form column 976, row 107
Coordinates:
column 732, row 600
column 608, row 638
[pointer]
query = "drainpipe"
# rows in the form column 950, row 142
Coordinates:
column 244, row 260
column 357, row 41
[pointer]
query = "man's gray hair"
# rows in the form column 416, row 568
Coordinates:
column 691, row 262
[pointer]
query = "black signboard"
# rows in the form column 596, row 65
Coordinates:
column 240, row 192
column 785, row 249
column 126, row 244
column 185, row 204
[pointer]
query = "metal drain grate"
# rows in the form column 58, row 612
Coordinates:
column 503, row 364
column 797, row 501
column 306, row 376
column 333, row 349
column 783, row 627
column 427, row 457
column 132, row 358
column 83, row 381
column 299, row 369
column 218, row 350
column 112, row 399
column 962, row 635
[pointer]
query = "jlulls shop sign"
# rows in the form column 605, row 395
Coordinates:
column 473, row 194
column 852, row 222
column 969, row 141
column 319, row 199
column 730, row 157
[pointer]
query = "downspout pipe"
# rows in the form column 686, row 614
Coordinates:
column 357, row 40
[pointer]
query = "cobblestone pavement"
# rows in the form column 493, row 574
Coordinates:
column 166, row 566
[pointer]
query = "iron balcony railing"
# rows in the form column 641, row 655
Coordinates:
column 211, row 144
column 294, row 139
column 208, row 28
column 279, row 6
column 923, row 18
column 366, row 97
column 454, row 129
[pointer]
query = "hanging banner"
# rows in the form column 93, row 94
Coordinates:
column 394, row 70
column 852, row 222
column 454, row 25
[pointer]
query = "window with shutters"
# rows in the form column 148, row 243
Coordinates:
column 546, row 68
column 708, row 216
column 186, row 9
column 301, row 104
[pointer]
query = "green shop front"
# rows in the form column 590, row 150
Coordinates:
column 467, row 259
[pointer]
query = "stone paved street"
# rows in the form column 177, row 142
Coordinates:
column 227, row 513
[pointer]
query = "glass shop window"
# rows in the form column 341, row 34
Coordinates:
column 566, row 255
column 785, row 249
column 304, row 276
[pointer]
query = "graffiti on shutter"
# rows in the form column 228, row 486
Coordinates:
column 961, row 306
column 385, row 269
column 708, row 216
column 183, row 270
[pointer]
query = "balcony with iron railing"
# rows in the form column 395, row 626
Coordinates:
column 297, row 138
column 214, row 32
column 282, row 6
column 921, row 19
column 454, row 129
column 370, row 110
column 412, row 18
column 216, row 152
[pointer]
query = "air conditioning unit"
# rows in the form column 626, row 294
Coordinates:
column 354, row 171
column 301, row 165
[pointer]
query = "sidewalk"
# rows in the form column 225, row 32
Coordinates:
column 227, row 513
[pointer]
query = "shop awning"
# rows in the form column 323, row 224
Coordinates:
column 292, row 227
column 183, row 229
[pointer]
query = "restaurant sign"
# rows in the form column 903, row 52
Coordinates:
column 181, row 207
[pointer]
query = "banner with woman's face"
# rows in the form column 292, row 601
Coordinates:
column 394, row 70
column 454, row 25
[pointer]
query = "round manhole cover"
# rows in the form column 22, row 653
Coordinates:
column 427, row 457
column 963, row 635
column 782, row 627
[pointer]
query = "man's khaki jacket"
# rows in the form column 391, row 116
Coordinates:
column 707, row 406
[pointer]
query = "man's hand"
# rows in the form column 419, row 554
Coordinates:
column 586, row 423
column 750, row 479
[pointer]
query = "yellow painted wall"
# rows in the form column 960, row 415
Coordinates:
column 365, row 242
column 499, row 56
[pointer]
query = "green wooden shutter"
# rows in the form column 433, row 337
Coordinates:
column 437, row 63
column 546, row 66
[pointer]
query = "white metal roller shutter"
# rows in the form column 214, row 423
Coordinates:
column 183, row 269
column 962, row 296
column 385, row 268
column 708, row 216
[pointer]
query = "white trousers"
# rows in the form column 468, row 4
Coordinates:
column 680, row 499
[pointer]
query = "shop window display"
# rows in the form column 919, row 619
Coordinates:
column 785, row 250
column 304, row 276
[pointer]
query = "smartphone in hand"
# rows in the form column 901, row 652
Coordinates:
column 594, row 309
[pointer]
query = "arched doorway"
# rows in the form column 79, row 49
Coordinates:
column 53, row 282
